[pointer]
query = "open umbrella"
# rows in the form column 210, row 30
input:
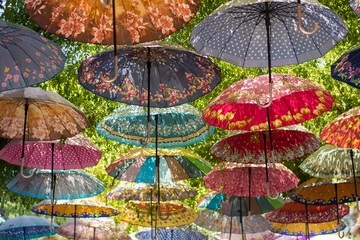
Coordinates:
column 178, row 126
column 266, row 235
column 355, row 4
column 189, row 232
column 26, row 227
column 26, row 57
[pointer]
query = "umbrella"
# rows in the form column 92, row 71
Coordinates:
column 226, row 176
column 189, row 232
column 266, row 235
column 138, row 165
column 26, row 227
column 147, row 192
column 178, row 126
column 94, row 229
column 144, row 214
column 289, row 143
column 230, row 205
column 355, row 4
column 70, row 184
column 26, row 57
column 92, row 21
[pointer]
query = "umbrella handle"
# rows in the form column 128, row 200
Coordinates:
column 268, row 192
column 115, row 70
column 144, row 143
column 105, row 3
column 163, row 218
column 316, row 25
column 22, row 170
column 339, row 233
column 270, row 100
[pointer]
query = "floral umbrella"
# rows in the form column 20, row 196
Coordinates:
column 26, row 57
column 26, row 227
column 266, row 235
column 189, row 232
column 144, row 214
column 226, row 176
column 147, row 192
column 355, row 5
column 178, row 126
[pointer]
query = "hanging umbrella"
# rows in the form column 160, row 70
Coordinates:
column 92, row 21
column 144, row 214
column 178, row 126
column 94, row 229
column 226, row 176
column 147, row 192
column 27, row 58
column 266, row 235
column 138, row 165
column 230, row 205
column 289, row 143
column 26, row 227
column 70, row 184
column 53, row 237
column 355, row 4
column 189, row 232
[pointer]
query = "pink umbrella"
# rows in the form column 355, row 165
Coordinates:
column 226, row 176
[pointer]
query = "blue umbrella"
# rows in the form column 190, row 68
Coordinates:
column 178, row 126
column 26, row 227
column 189, row 232
column 355, row 5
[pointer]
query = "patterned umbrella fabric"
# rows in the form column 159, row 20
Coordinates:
column 266, row 235
column 226, row 176
column 289, row 143
column 138, row 165
column 176, row 75
column 147, row 192
column 26, row 57
column 49, row 116
column 94, row 229
column 91, row 22
column 355, row 5
column 178, row 126
column 295, row 100
column 189, row 232
column 236, row 32
column 215, row 221
column 230, row 205
column 139, row 213
column 330, row 161
column 53, row 237
column 26, row 227
column 75, row 153
column 293, row 212
column 343, row 131
column 70, row 184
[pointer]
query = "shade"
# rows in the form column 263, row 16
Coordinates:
column 189, row 232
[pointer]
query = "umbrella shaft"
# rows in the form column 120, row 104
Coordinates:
column 25, row 118
column 353, row 168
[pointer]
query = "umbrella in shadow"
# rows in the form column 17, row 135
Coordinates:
column 189, row 232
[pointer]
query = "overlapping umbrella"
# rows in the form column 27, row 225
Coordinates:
column 189, row 232
column 355, row 4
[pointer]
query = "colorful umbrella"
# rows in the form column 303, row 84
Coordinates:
column 266, row 235
column 26, row 57
column 189, row 232
column 289, row 143
column 148, row 192
column 92, row 21
column 226, row 176
column 94, row 229
column 138, row 165
column 144, row 214
column 26, row 227
column 178, row 126
column 230, row 205
column 355, row 5
column 70, row 184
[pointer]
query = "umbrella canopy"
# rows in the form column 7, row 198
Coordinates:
column 94, row 229
column 70, row 184
column 216, row 221
column 295, row 100
column 266, row 235
column 343, row 131
column 293, row 212
column 171, row 74
column 330, row 161
column 299, row 229
column 237, row 31
column 92, row 22
column 230, row 205
column 289, row 143
column 189, row 232
column 178, row 126
column 226, row 176
column 146, row 214
column 355, row 5
column 26, row 57
column 148, row 192
column 75, row 153
column 138, row 165
column 79, row 208
column 26, row 227
column 49, row 116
